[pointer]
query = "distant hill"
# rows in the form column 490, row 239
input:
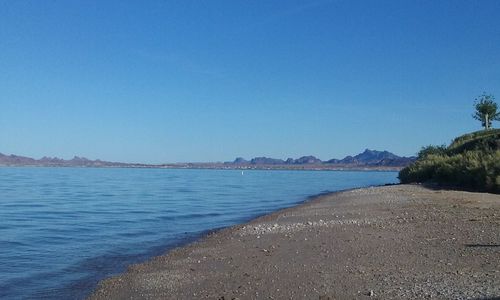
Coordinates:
column 370, row 159
column 266, row 161
column 307, row 160
column 15, row 160
column 471, row 161
column 374, row 158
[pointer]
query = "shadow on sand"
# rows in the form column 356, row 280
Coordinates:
column 482, row 246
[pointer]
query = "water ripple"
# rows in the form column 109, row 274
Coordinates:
column 63, row 229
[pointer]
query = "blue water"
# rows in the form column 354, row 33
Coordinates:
column 64, row 229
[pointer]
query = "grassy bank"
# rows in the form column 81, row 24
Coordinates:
column 471, row 161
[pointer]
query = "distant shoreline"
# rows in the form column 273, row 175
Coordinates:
column 249, row 168
column 368, row 160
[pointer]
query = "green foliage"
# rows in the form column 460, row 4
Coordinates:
column 472, row 161
column 486, row 141
column 474, row 136
column 486, row 110
column 431, row 150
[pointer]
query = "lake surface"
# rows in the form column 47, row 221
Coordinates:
column 64, row 229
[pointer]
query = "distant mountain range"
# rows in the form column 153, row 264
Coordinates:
column 16, row 160
column 369, row 159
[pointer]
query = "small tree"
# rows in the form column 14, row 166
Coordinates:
column 486, row 110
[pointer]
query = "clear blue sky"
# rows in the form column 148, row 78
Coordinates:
column 172, row 81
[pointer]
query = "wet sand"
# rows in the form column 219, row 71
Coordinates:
column 393, row 242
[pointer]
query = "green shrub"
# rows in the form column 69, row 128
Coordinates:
column 473, row 136
column 471, row 162
column 431, row 150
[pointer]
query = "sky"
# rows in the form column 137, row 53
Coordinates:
column 178, row 81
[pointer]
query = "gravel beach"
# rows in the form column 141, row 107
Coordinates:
column 391, row 242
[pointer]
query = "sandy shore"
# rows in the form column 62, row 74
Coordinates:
column 394, row 242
